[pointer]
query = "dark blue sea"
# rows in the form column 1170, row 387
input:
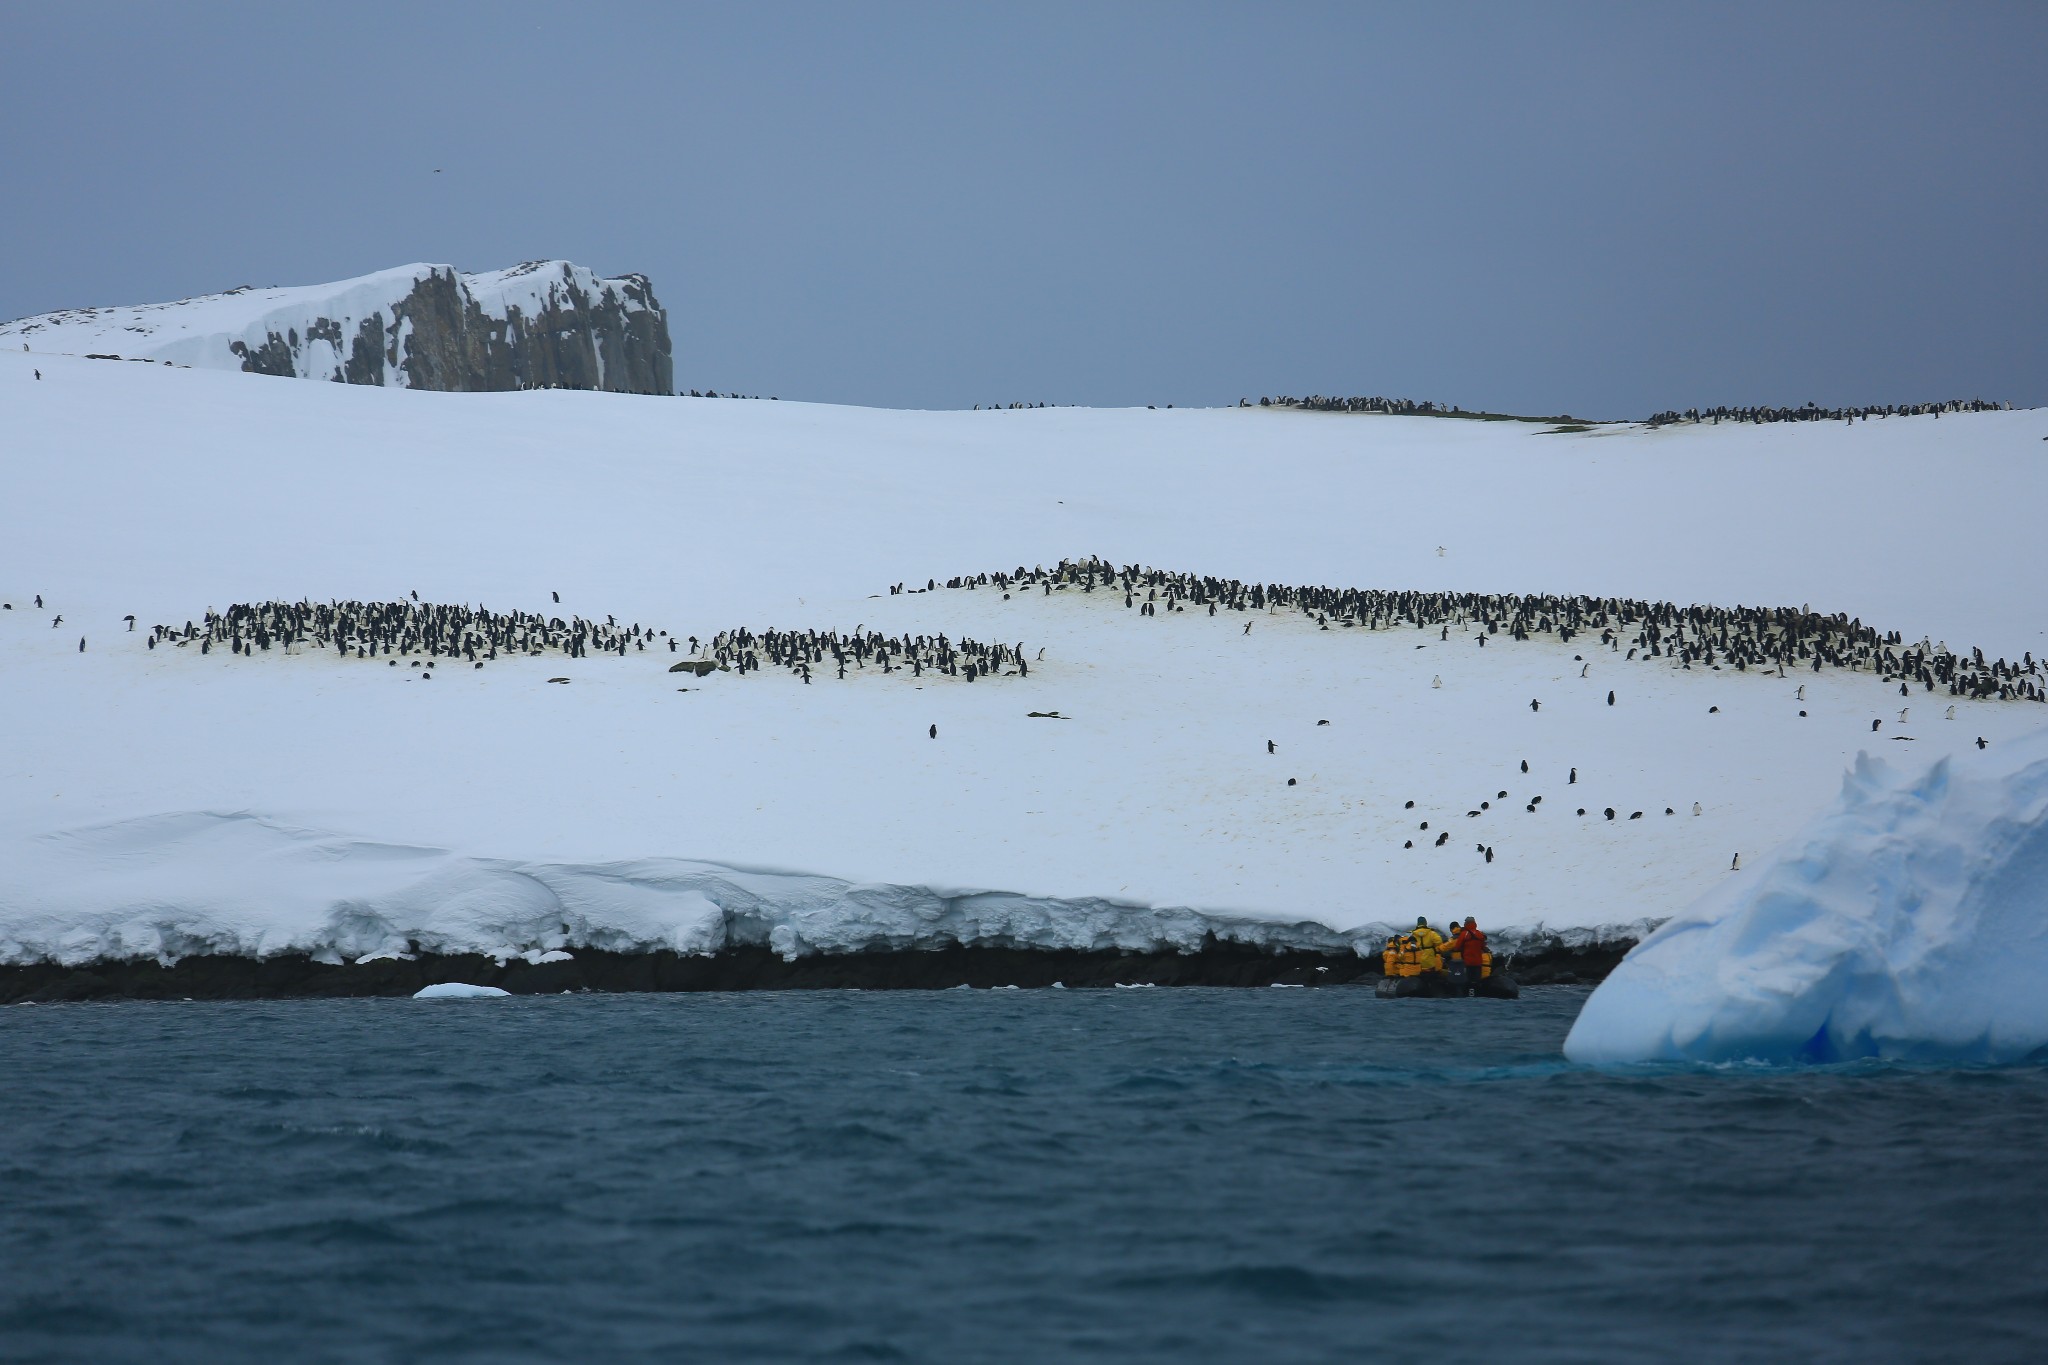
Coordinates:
column 1185, row 1175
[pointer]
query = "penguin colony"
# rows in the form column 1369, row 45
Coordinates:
column 478, row 635
column 1391, row 407
column 1780, row 638
column 367, row 629
column 1814, row 413
column 798, row 650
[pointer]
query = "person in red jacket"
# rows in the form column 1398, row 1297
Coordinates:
column 1468, row 945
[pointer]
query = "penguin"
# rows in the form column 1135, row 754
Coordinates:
column 935, row 732
column 1437, row 680
column 1610, row 696
column 130, row 619
column 1695, row 808
column 1408, row 806
column 1489, row 855
column 1736, row 865
column 1271, row 747
column 557, row 596
column 1525, row 765
column 81, row 644
column 1610, row 812
column 1408, row 843
column 1573, row 781
column 1290, row 781
column 1443, row 838
column 1902, row 714
column 1980, row 739
column 1874, row 724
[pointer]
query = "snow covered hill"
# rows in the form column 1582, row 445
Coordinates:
column 541, row 324
column 163, row 801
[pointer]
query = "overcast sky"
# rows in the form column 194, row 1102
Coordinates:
column 1603, row 209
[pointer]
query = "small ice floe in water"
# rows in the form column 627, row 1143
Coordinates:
column 1909, row 921
column 457, row 990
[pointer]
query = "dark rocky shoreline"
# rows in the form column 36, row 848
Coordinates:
column 739, row 969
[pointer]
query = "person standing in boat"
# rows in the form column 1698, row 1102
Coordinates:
column 1468, row 947
column 1428, row 945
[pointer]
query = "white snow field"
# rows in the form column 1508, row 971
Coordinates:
column 202, row 331
column 1910, row 921
column 160, row 802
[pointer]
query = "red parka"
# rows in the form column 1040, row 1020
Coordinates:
column 1469, row 943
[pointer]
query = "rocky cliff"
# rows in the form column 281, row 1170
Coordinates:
column 542, row 324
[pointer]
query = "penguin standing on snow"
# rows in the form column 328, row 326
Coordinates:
column 935, row 732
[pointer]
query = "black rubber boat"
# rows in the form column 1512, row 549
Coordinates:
column 1442, row 986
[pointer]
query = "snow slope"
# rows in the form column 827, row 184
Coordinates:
column 321, row 320
column 151, row 801
column 1909, row 921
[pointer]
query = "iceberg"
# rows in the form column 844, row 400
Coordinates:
column 458, row 990
column 1907, row 922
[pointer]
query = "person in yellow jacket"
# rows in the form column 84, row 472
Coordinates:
column 1427, row 943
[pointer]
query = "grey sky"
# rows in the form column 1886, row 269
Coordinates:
column 1596, row 208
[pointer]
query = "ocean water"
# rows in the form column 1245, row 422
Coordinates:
column 1184, row 1175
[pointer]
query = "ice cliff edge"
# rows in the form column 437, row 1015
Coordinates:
column 541, row 324
column 1909, row 922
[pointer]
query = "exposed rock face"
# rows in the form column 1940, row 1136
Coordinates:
column 543, row 324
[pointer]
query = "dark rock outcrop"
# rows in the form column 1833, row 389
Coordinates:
column 544, row 324
column 541, row 324
column 738, row 968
